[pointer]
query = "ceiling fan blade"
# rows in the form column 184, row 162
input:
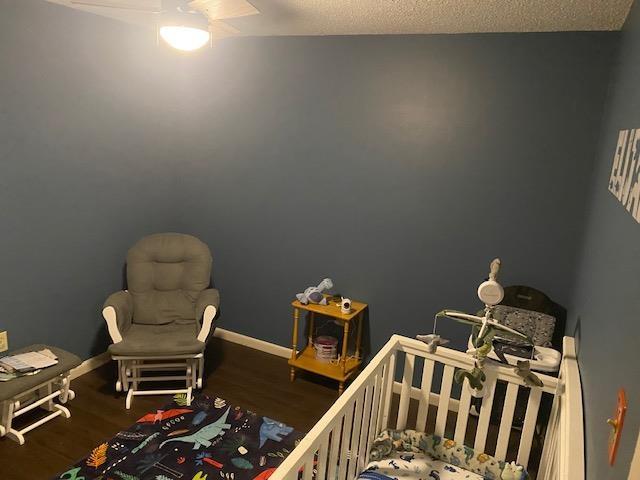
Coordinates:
column 220, row 29
column 222, row 9
column 152, row 6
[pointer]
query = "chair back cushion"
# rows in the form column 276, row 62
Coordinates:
column 165, row 274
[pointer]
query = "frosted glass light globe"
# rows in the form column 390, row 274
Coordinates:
column 182, row 38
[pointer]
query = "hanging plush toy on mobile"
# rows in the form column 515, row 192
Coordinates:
column 484, row 329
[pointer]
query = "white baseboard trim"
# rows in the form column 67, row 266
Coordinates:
column 227, row 335
column 90, row 364
column 251, row 342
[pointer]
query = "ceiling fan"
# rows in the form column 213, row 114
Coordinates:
column 184, row 24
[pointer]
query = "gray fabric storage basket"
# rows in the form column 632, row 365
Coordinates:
column 537, row 326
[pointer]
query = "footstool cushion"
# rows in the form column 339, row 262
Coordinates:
column 16, row 386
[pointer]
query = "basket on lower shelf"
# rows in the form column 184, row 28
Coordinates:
column 326, row 348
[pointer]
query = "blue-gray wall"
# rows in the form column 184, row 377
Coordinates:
column 86, row 168
column 399, row 166
column 605, row 310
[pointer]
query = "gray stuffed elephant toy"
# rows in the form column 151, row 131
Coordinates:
column 314, row 294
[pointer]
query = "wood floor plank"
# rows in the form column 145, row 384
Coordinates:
column 252, row 379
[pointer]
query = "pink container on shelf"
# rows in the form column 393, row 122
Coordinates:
column 326, row 348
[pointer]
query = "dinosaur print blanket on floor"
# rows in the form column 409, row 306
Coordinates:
column 208, row 440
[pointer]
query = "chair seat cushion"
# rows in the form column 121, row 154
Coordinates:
column 159, row 340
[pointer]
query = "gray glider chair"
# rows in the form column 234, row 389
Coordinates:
column 163, row 321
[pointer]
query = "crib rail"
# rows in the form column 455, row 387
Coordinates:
column 404, row 386
column 445, row 402
column 333, row 445
column 563, row 453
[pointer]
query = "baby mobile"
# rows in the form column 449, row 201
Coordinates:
column 483, row 331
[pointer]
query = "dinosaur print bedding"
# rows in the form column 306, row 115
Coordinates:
column 208, row 440
column 415, row 466
column 409, row 454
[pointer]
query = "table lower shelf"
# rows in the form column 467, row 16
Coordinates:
column 306, row 360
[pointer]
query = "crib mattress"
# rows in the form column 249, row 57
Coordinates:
column 415, row 466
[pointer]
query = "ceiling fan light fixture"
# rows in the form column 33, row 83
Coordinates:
column 184, row 38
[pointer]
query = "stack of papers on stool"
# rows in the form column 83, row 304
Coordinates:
column 26, row 363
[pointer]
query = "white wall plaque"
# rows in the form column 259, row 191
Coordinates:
column 624, row 182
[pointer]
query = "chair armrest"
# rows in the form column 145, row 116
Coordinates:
column 117, row 312
column 206, row 308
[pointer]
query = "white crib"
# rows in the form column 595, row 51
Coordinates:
column 337, row 447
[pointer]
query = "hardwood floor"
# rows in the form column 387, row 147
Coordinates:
column 249, row 378
column 243, row 376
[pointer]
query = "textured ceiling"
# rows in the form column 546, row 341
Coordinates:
column 347, row 17
column 342, row 17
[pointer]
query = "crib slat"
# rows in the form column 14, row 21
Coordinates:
column 405, row 393
column 374, row 417
column 463, row 413
column 554, row 462
column 443, row 403
column 506, row 421
column 529, row 426
column 382, row 382
column 355, row 437
column 308, row 467
column 336, row 433
column 546, row 460
column 390, row 374
column 322, row 458
column 346, row 439
column 425, row 393
column 485, row 412
column 363, row 445
column 293, row 475
column 549, row 455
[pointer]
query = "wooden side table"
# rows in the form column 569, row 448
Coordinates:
column 306, row 359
